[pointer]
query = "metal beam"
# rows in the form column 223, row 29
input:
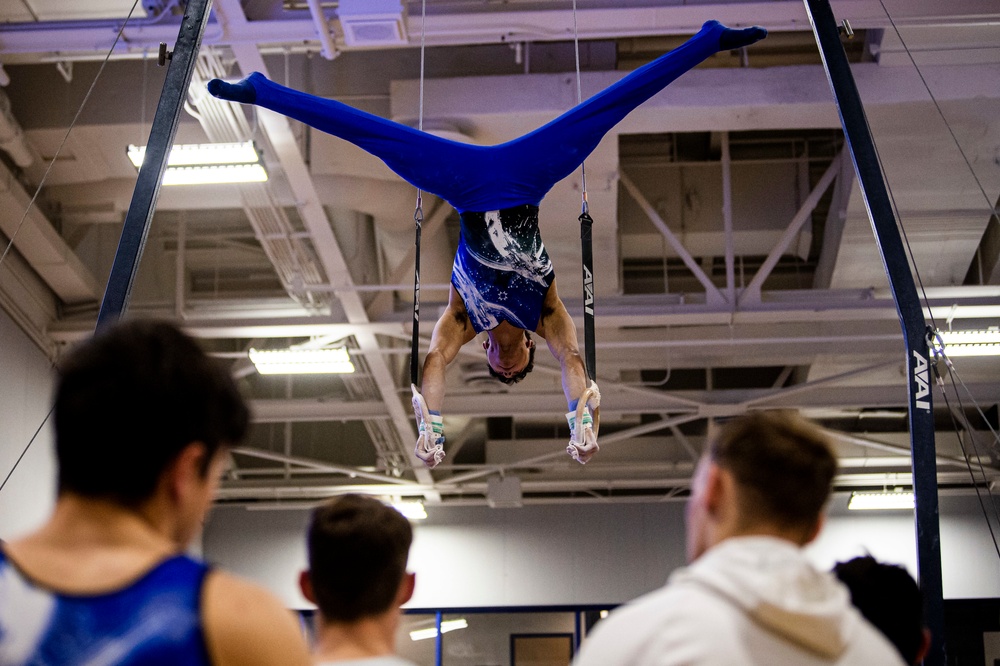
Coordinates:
column 319, row 465
column 847, row 399
column 897, row 268
column 712, row 292
column 727, row 219
column 161, row 138
column 752, row 291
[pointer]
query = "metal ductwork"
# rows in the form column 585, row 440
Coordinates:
column 12, row 139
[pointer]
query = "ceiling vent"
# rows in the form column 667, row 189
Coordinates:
column 372, row 22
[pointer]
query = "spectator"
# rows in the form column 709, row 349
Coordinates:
column 890, row 599
column 143, row 425
column 358, row 580
column 749, row 595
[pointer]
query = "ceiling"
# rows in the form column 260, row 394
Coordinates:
column 735, row 265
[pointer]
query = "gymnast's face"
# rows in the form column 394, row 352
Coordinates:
column 510, row 360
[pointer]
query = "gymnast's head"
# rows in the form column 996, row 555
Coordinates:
column 512, row 362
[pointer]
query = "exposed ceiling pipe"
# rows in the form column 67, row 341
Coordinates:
column 328, row 48
column 12, row 139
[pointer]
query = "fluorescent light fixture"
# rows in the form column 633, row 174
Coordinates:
column 432, row 632
column 302, row 361
column 982, row 342
column 206, row 163
column 412, row 510
column 214, row 174
column 862, row 501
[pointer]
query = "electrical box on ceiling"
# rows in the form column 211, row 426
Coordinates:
column 504, row 492
column 372, row 22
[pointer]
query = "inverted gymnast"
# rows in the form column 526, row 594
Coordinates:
column 502, row 281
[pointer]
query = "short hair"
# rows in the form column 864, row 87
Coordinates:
column 129, row 400
column 510, row 381
column 357, row 557
column 783, row 464
column 889, row 598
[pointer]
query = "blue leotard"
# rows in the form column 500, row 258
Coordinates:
column 154, row 621
column 485, row 179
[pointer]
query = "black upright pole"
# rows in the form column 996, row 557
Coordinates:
column 418, row 220
column 161, row 138
column 911, row 316
column 589, row 340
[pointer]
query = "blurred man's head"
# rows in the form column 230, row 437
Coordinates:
column 142, row 412
column 135, row 401
column 762, row 473
column 358, row 549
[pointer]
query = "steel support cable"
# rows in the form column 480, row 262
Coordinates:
column 72, row 124
column 418, row 216
column 968, row 163
column 968, row 463
column 940, row 349
column 913, row 262
column 34, row 197
column 586, row 237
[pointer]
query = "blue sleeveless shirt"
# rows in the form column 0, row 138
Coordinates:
column 501, row 270
column 153, row 621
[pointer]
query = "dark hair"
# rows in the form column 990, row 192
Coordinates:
column 783, row 464
column 127, row 403
column 521, row 375
column 889, row 598
column 357, row 557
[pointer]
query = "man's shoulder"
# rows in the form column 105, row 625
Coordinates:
column 371, row 661
column 244, row 623
column 673, row 613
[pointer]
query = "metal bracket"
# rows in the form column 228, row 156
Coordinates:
column 164, row 55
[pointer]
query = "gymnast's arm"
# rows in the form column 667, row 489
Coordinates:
column 559, row 332
column 452, row 331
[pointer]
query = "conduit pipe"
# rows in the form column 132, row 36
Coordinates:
column 329, row 49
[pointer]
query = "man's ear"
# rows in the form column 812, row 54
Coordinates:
column 925, row 646
column 820, row 522
column 186, row 469
column 306, row 586
column 718, row 487
column 406, row 586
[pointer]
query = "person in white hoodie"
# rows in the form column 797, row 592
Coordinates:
column 749, row 595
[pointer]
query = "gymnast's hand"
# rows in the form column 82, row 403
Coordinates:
column 430, row 432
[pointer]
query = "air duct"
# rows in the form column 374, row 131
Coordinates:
column 372, row 22
column 12, row 139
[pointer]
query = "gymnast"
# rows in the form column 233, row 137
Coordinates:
column 502, row 280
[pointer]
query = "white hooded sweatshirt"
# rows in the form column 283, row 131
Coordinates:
column 748, row 600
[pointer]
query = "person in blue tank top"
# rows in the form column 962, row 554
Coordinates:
column 144, row 422
column 502, row 280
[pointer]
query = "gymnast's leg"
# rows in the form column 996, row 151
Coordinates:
column 428, row 162
column 553, row 151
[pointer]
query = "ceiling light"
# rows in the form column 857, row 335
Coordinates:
column 412, row 510
column 862, row 501
column 432, row 632
column 981, row 342
column 215, row 174
column 208, row 163
column 302, row 361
